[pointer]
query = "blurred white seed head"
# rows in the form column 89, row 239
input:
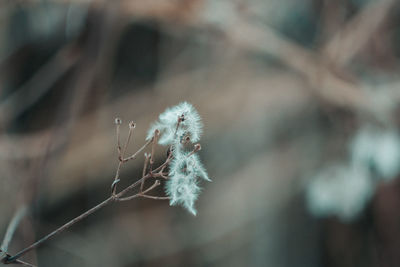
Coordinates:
column 377, row 149
column 339, row 190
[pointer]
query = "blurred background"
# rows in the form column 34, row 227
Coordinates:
column 300, row 105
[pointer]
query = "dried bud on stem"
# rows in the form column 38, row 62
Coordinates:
column 132, row 125
column 118, row 121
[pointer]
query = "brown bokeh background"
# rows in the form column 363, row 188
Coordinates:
column 281, row 86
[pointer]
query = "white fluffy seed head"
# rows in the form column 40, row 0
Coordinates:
column 185, row 167
column 377, row 149
column 189, row 165
column 184, row 191
column 190, row 125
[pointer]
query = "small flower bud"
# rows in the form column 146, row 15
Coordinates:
column 118, row 121
column 132, row 125
column 197, row 147
column 185, row 139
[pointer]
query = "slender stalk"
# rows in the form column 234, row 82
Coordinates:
column 129, row 138
column 146, row 161
column 23, row 263
column 118, row 123
column 122, row 160
column 116, row 179
column 59, row 230
column 155, row 197
column 140, row 194
column 153, row 148
column 15, row 221
column 64, row 227
column 140, row 150
column 121, row 155
column 19, row 214
column 114, row 196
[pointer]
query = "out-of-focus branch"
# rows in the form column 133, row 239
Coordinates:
column 323, row 81
column 19, row 214
column 38, row 85
column 15, row 221
column 356, row 33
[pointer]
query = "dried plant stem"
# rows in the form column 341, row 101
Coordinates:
column 153, row 148
column 197, row 147
column 12, row 259
column 138, row 152
column 59, row 230
column 156, row 198
column 158, row 172
column 180, row 119
column 116, row 197
column 146, row 161
column 121, row 154
column 19, row 214
column 140, row 194
column 122, row 161
column 15, row 221
column 127, row 140
column 23, row 263
column 118, row 123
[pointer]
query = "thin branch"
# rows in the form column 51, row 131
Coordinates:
column 21, row 262
column 146, row 161
column 357, row 32
column 19, row 214
column 64, row 227
column 163, row 175
column 131, row 127
column 156, row 183
column 118, row 122
column 161, row 167
column 116, row 179
column 137, row 152
column 24, row 263
column 59, row 230
column 180, row 119
column 153, row 148
column 114, row 197
column 121, row 155
column 156, row 198
column 197, row 147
